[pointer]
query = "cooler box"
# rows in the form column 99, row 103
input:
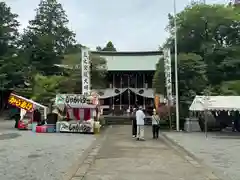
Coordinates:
column 51, row 128
column 41, row 129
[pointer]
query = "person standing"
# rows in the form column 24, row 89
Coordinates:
column 134, row 124
column 140, row 123
column 155, row 124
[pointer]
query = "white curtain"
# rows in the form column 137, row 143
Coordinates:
column 107, row 93
column 148, row 93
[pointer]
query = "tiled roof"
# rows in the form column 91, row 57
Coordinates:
column 131, row 61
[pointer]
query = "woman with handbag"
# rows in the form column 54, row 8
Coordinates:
column 155, row 124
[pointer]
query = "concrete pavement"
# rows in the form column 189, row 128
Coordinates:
column 219, row 151
column 119, row 157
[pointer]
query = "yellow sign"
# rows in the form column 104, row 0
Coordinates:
column 20, row 103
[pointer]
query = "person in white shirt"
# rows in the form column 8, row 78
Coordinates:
column 155, row 124
column 140, row 123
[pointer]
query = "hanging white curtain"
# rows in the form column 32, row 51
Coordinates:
column 148, row 93
column 107, row 93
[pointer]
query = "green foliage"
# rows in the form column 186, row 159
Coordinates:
column 159, row 78
column 109, row 47
column 28, row 61
column 230, row 87
column 47, row 37
column 11, row 74
column 192, row 76
column 46, row 87
column 98, row 71
column 208, row 51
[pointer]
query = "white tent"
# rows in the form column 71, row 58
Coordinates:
column 215, row 103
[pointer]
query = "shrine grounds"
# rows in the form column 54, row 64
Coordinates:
column 115, row 155
column 30, row 156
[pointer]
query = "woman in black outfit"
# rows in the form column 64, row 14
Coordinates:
column 134, row 123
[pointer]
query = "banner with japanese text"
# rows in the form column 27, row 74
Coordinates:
column 168, row 74
column 85, row 72
column 19, row 102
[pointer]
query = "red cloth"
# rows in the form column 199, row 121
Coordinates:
column 87, row 114
column 76, row 113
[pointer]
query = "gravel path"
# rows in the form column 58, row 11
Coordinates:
column 29, row 156
column 219, row 151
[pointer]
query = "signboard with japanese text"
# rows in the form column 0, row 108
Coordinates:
column 71, row 99
column 85, row 72
column 168, row 73
column 20, row 102
column 76, row 126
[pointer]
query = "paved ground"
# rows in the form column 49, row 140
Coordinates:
column 29, row 156
column 219, row 151
column 119, row 157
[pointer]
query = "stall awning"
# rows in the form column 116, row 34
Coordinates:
column 215, row 103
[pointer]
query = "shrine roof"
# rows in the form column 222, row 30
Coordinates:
column 130, row 61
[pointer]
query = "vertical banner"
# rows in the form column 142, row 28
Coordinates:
column 168, row 74
column 86, row 84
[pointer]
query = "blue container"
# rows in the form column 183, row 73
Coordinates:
column 51, row 128
column 58, row 127
column 34, row 125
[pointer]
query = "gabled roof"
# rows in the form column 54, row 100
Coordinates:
column 130, row 61
column 215, row 103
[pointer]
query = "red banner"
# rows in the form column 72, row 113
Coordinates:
column 20, row 103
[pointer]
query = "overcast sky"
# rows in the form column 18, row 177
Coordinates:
column 132, row 25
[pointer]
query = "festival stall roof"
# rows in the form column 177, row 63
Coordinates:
column 130, row 61
column 31, row 101
column 215, row 103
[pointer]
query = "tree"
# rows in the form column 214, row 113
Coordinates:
column 192, row 76
column 159, row 78
column 214, row 29
column 230, row 87
column 98, row 71
column 208, row 51
column 47, row 37
column 98, row 48
column 109, row 47
column 211, row 32
column 10, row 64
column 46, row 87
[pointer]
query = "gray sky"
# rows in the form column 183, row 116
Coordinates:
column 129, row 24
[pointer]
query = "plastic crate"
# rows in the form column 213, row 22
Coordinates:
column 51, row 128
column 41, row 129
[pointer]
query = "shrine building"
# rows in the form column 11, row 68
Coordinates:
column 129, row 78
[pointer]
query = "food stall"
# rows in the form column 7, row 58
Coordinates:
column 81, row 112
column 27, row 107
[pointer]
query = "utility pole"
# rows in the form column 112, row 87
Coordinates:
column 176, row 66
